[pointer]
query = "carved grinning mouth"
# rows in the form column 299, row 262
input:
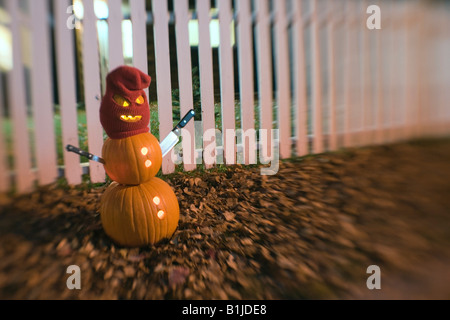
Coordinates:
column 129, row 118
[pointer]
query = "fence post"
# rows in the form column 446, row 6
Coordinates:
column 348, row 73
column 185, row 80
column 379, row 132
column 206, row 81
column 409, row 32
column 421, row 70
column 92, row 92
column 115, row 45
column 282, row 78
column 447, row 85
column 366, row 74
column 299, row 75
column 393, row 70
column 227, row 81
column 246, row 88
column 264, row 72
column 163, row 83
column 18, row 107
column 332, row 137
column 316, row 80
column 139, row 22
column 65, row 68
column 41, row 90
column 408, row 64
column 4, row 170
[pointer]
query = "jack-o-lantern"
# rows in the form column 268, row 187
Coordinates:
column 132, row 160
column 139, row 215
column 124, row 111
column 132, row 155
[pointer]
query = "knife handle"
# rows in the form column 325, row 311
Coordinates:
column 78, row 151
column 82, row 153
column 184, row 121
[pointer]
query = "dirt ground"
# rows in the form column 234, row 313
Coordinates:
column 308, row 232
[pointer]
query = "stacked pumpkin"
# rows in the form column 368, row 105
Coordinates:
column 138, row 208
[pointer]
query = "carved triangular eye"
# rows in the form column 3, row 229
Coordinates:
column 140, row 100
column 121, row 101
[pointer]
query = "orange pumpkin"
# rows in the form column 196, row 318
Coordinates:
column 139, row 215
column 132, row 160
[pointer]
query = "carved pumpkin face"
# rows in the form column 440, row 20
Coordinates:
column 139, row 215
column 124, row 110
column 132, row 160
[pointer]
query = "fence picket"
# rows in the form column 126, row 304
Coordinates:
column 332, row 140
column 391, row 98
column 410, row 33
column 282, row 78
column 264, row 72
column 226, row 81
column 138, row 14
column 379, row 132
column 163, row 83
column 365, row 79
column 65, row 68
column 18, row 107
column 421, row 67
column 348, row 73
column 92, row 92
column 41, row 90
column 403, row 37
column 246, row 85
column 185, row 82
column 206, row 82
column 316, row 81
column 4, row 170
column 115, row 45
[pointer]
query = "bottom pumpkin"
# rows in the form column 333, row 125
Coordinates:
column 139, row 215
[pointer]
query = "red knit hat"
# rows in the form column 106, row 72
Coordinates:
column 124, row 111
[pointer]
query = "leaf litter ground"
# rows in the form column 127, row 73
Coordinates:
column 308, row 232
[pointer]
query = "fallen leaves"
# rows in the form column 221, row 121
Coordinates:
column 177, row 275
column 229, row 216
column 308, row 232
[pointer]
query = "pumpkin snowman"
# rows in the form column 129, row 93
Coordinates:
column 132, row 154
column 138, row 208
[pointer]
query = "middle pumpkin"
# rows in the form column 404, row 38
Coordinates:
column 132, row 160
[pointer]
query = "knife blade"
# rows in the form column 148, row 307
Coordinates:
column 172, row 138
column 86, row 154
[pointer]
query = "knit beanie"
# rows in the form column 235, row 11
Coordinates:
column 124, row 111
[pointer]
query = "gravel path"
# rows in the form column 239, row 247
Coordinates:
column 310, row 232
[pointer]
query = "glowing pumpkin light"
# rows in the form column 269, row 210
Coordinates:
column 131, row 217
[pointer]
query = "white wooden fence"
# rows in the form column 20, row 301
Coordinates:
column 322, row 77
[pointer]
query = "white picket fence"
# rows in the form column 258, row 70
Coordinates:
column 322, row 77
